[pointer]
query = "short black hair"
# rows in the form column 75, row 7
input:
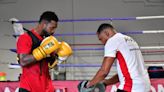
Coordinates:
column 104, row 26
column 49, row 15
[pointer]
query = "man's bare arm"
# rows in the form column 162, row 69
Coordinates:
column 103, row 71
column 26, row 59
column 112, row 80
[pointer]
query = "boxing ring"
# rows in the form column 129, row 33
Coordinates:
column 76, row 67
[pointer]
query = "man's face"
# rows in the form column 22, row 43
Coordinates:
column 103, row 36
column 50, row 27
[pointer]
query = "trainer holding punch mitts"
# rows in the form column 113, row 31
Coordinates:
column 124, row 50
column 37, row 52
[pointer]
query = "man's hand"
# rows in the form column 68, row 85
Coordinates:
column 103, row 71
column 112, row 80
column 82, row 87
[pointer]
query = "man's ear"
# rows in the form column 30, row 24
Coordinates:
column 44, row 23
column 41, row 23
column 107, row 32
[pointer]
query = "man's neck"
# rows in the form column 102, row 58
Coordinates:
column 112, row 34
column 38, row 30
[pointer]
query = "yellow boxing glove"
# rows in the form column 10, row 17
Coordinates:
column 63, row 53
column 48, row 45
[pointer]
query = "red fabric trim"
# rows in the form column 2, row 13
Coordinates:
column 125, row 72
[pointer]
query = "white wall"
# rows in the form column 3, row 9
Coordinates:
column 68, row 9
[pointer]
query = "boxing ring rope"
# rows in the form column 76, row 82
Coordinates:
column 101, row 49
column 13, row 65
column 152, row 47
column 134, row 32
column 95, row 19
column 128, row 32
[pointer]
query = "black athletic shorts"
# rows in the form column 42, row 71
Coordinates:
column 23, row 90
column 118, row 90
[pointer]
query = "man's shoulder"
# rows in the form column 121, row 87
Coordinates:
column 24, row 35
column 116, row 38
column 24, row 38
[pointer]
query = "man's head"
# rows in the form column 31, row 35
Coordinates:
column 48, row 22
column 104, row 32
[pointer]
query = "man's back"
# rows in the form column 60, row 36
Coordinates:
column 130, row 64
